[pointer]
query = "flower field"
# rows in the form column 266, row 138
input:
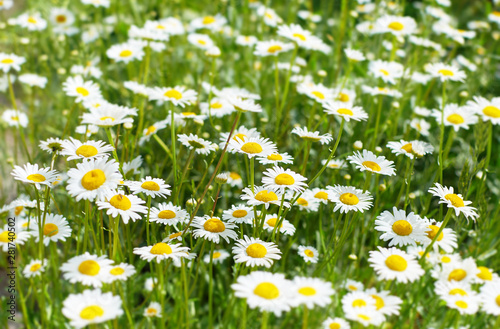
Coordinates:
column 242, row 164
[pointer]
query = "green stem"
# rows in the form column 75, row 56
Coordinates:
column 443, row 225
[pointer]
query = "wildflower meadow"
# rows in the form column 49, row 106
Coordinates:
column 250, row 164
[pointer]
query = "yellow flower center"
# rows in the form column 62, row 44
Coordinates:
column 216, row 255
column 364, row 317
column 239, row 136
column 202, row 42
column 358, row 303
column 457, row 275
column 351, row 287
column 274, row 49
column 125, row 53
column 172, row 93
column 267, row 290
column 150, row 130
column 284, row 179
column 396, row 263
column 196, row 145
column 240, row 213
column 445, row 259
column 89, row 267
column 174, row 235
column 455, row 200
column 497, row 300
column 461, row 304
column 434, row 230
column 484, row 273
column 256, row 250
column 274, row 157
column 151, row 186
column 309, row 253
column 384, row 72
column 86, row 151
column 4, row 237
column 187, row 114
column 60, row 18
column 299, row 36
column 216, row 105
column 106, row 118
column 307, row 291
column 266, row 196
column 379, row 302
column 345, row 112
column 373, row 166
column 455, row 119
column 117, row 271
column 396, row 26
column 334, row 325
column 161, row 248
column 318, row 94
column 31, row 20
column 50, row 229
column 234, row 175
column 272, row 221
column 91, row 312
column 166, row 214
column 18, row 210
column 37, row 178
column 344, row 97
column 151, row 311
column 446, row 73
column 82, row 91
column 458, row 291
column 496, row 13
column 492, row 111
column 214, row 225
column 35, row 267
column 14, row 118
column 7, row 61
column 251, row 148
column 208, row 20
column 321, row 195
column 402, row 227
column 407, row 148
column 349, row 199
column 121, row 202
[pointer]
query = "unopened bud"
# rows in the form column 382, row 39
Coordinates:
column 222, row 178
column 464, row 94
column 322, row 73
column 378, row 149
column 358, row 145
column 128, row 125
column 382, row 187
column 353, row 257
column 347, row 177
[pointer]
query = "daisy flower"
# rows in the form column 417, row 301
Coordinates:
column 395, row 264
column 490, row 297
column 445, row 72
column 269, row 15
column 349, row 198
column 75, row 149
column 218, row 107
column 485, row 275
column 335, row 323
column 218, row 257
column 488, row 110
column 51, row 145
column 365, row 315
column 375, row 91
column 357, row 299
column 421, row 126
column 311, row 292
column 61, row 17
column 354, row 55
column 243, row 105
column 396, row 25
column 410, row 149
column 345, row 110
column 271, row 48
column 401, row 229
column 6, row 4
column 238, row 214
column 462, row 271
column 463, row 304
column 34, row 268
column 286, row 227
column 384, row 302
column 109, row 115
column 213, row 23
column 151, row 130
column 87, row 269
column 455, row 116
column 447, row 239
column 56, row 228
column 199, row 145
column 213, row 229
column 262, row 195
column 453, row 288
column 321, row 195
column 128, row 207
column 494, row 17
column 168, row 214
column 8, row 236
column 97, row 3
column 93, row 178
column 246, row 40
column 309, row 253
column 90, row 307
column 235, row 179
column 33, row 80
column 306, row 201
column 312, row 136
column 296, row 33
column 333, row 164
column 371, row 162
column 317, row 92
column 387, row 71
column 276, row 158
column 352, row 285
column 82, row 90
column 15, row 118
column 152, row 187
column 201, row 41
column 153, row 310
column 126, row 52
column 344, row 95
column 255, row 252
column 279, row 179
column 121, row 271
column 178, row 95
column 455, row 201
column 32, row 21
column 162, row 251
column 32, row 174
column 253, row 146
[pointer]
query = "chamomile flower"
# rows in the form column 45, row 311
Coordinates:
column 306, row 201
column 395, row 264
column 345, row 110
column 218, row 257
column 150, row 284
column 317, row 92
column 463, row 304
column 75, row 149
column 349, row 198
column 11, row 61
column 178, row 95
column 387, row 71
column 447, row 239
column 97, row 3
column 238, row 214
column 213, row 23
column 453, row 288
column 271, row 48
column 199, row 145
column 126, row 52
column 309, row 254
column 352, row 285
column 6, row 4
column 235, row 179
column 271, row 221
column 218, row 107
column 15, row 118
column 213, row 229
column 279, row 179
column 421, row 126
column 333, row 164
column 321, row 195
column 488, row 110
column 311, row 292
column 357, row 299
column 445, row 72
column 151, row 130
column 485, row 275
column 375, row 91
column 90, row 270
column 33, row 80
column 152, row 187
column 91, row 307
column 462, row 271
column 120, row 271
column 262, row 195
column 56, row 228
column 255, row 252
column 396, row 25
column 336, row 323
column 82, row 90
column 51, row 145
column 34, row 268
column 8, row 237
column 312, row 136
column 494, row 17
column 270, row 292
column 490, row 297
column 246, row 40
column 411, row 149
column 455, row 201
column 61, row 17
column 368, row 161
column 276, row 158
column 201, row 41
column 153, row 310
column 401, row 229
column 109, row 115
column 365, row 315
column 162, row 251
column 32, row 21
column 243, row 105
column 253, row 146
column 32, row 174
column 296, row 33
column 128, row 207
column 384, row 302
column 442, row 259
column 354, row 55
